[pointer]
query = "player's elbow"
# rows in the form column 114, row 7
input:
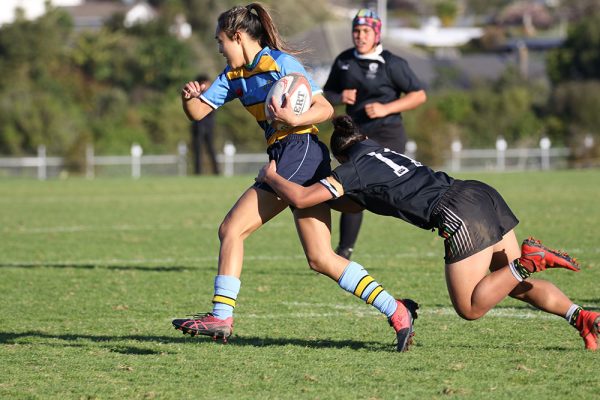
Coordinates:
column 300, row 203
column 421, row 97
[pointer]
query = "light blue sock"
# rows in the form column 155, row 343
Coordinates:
column 356, row 280
column 226, row 291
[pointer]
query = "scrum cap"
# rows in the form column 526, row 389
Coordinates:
column 364, row 16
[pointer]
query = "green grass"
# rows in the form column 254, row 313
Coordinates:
column 92, row 272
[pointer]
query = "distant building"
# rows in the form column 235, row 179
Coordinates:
column 93, row 14
column 325, row 41
column 433, row 34
column 85, row 14
column 31, row 9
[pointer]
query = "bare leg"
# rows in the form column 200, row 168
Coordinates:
column 474, row 292
column 254, row 208
column 539, row 293
column 314, row 228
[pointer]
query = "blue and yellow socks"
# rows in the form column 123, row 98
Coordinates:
column 226, row 291
column 356, row 280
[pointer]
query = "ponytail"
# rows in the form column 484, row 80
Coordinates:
column 255, row 20
column 345, row 134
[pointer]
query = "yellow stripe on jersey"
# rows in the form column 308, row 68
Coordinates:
column 257, row 111
column 374, row 294
column 364, row 282
column 225, row 300
column 278, row 135
column 265, row 64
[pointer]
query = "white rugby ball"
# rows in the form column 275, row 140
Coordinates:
column 298, row 87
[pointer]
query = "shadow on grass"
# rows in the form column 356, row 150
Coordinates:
column 109, row 267
column 8, row 338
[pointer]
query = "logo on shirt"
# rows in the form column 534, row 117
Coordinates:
column 373, row 68
column 345, row 67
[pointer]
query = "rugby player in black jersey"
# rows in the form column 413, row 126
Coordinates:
column 376, row 86
column 484, row 262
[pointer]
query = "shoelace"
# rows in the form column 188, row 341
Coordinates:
column 201, row 315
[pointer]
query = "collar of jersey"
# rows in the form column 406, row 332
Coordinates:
column 256, row 58
column 361, row 148
column 375, row 56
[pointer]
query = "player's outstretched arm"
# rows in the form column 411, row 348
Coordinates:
column 194, row 108
column 292, row 193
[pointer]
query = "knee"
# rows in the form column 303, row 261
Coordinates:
column 227, row 230
column 317, row 263
column 470, row 314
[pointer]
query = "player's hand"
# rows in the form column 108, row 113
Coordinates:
column 349, row 96
column 284, row 113
column 192, row 90
column 376, row 110
column 267, row 170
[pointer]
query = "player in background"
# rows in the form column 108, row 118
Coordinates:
column 256, row 58
column 202, row 133
column 484, row 262
column 376, row 86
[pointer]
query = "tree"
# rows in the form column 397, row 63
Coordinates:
column 579, row 57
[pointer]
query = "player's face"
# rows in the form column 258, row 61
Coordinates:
column 364, row 39
column 231, row 49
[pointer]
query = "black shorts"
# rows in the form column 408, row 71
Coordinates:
column 391, row 136
column 471, row 216
column 301, row 158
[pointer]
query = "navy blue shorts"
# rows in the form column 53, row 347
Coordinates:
column 471, row 216
column 301, row 159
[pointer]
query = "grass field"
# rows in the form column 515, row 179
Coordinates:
column 92, row 272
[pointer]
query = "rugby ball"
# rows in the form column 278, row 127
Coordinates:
column 298, row 87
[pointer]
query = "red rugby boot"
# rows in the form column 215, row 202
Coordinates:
column 588, row 325
column 205, row 324
column 536, row 257
column 402, row 322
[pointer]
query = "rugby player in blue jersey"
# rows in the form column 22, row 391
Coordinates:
column 256, row 58
column 484, row 262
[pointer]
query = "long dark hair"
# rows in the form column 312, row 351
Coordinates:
column 255, row 20
column 345, row 134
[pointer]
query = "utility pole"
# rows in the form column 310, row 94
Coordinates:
column 382, row 12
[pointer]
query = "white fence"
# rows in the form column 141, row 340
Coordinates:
column 135, row 164
column 232, row 163
column 503, row 159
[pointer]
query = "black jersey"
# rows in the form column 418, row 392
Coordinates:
column 382, row 79
column 389, row 183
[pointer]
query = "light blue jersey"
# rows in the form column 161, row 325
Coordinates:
column 252, row 83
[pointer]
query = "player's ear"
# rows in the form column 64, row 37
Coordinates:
column 237, row 37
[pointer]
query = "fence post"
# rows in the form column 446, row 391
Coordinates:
column 136, row 160
column 182, row 159
column 229, row 152
column 456, row 149
column 41, row 172
column 501, row 146
column 545, row 144
column 411, row 149
column 89, row 161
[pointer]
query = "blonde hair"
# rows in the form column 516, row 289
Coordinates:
column 255, row 20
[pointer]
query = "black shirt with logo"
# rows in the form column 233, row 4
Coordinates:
column 389, row 183
column 382, row 79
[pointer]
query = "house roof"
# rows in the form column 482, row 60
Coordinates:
column 93, row 14
column 325, row 41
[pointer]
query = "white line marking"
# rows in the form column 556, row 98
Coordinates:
column 362, row 311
